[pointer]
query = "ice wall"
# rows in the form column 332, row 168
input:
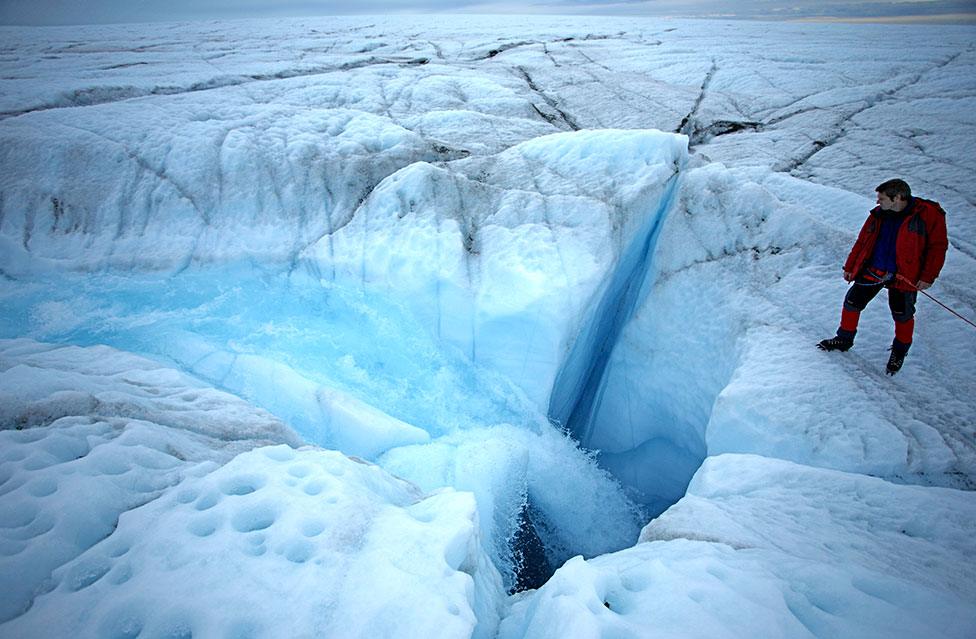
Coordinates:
column 507, row 257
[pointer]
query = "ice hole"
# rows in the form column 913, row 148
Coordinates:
column 122, row 624
column 314, row 487
column 120, row 574
column 531, row 565
column 313, row 527
column 203, row 525
column 242, row 484
column 254, row 518
column 298, row 551
column 43, row 487
column 86, row 572
column 207, row 501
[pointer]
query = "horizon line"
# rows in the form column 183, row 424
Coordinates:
column 945, row 19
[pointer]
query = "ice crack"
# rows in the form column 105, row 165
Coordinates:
column 563, row 117
column 687, row 124
column 108, row 94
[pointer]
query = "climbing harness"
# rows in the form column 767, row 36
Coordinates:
column 931, row 297
column 874, row 276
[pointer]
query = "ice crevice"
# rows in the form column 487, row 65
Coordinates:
column 508, row 46
column 688, row 124
column 580, row 383
column 563, row 117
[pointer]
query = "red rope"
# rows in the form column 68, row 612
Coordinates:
column 912, row 284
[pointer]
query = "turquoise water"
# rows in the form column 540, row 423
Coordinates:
column 207, row 321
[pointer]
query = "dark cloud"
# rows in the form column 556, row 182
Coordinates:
column 36, row 12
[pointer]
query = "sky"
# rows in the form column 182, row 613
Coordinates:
column 68, row 12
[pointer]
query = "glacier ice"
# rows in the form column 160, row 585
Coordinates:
column 421, row 243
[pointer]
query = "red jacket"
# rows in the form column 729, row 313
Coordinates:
column 920, row 246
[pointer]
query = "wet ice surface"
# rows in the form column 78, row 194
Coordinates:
column 413, row 242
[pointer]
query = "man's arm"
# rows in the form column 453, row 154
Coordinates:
column 859, row 251
column 937, row 242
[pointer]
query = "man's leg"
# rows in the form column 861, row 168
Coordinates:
column 902, row 305
column 858, row 295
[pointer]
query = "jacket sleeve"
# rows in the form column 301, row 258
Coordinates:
column 937, row 241
column 856, row 257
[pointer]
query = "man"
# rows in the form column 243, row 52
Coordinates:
column 901, row 247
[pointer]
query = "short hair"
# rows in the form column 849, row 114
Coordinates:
column 894, row 188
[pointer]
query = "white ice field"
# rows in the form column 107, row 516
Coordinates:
column 351, row 327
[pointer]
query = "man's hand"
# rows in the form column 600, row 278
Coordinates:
column 848, row 276
column 920, row 285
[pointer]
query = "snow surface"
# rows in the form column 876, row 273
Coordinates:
column 93, row 433
column 457, row 250
column 221, row 554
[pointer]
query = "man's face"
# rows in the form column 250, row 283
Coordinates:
column 895, row 205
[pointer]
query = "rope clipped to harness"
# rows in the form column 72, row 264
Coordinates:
column 904, row 279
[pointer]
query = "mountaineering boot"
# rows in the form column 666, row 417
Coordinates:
column 897, row 358
column 836, row 344
column 895, row 362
